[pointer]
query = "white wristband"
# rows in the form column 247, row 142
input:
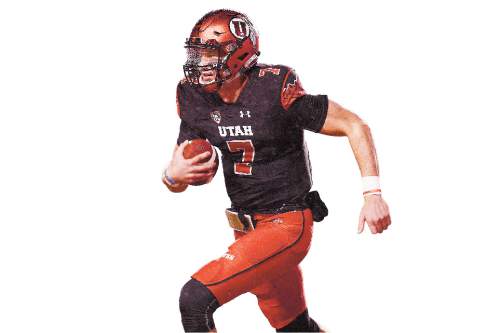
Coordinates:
column 371, row 185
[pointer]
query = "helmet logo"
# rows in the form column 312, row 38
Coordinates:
column 239, row 27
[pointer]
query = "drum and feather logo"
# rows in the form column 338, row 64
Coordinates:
column 215, row 115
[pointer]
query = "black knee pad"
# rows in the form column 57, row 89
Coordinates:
column 303, row 323
column 197, row 305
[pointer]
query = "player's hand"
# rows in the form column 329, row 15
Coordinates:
column 375, row 213
column 189, row 171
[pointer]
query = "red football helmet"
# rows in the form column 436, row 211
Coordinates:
column 222, row 44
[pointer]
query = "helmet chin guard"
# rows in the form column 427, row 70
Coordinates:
column 223, row 43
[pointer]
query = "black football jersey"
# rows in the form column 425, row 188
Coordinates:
column 261, row 135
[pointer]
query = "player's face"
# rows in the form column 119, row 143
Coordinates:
column 206, row 61
column 208, row 57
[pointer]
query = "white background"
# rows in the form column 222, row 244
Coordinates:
column 91, row 241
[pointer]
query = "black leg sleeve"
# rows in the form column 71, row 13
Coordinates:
column 303, row 323
column 197, row 305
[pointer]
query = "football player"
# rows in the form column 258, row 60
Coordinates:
column 256, row 115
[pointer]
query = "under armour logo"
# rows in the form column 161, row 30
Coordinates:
column 245, row 113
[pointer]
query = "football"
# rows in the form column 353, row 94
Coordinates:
column 196, row 147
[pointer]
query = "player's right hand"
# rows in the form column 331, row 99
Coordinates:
column 191, row 171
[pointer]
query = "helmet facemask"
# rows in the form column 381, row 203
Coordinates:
column 204, row 63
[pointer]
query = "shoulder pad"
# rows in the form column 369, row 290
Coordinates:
column 284, row 79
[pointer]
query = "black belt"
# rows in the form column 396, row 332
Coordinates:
column 246, row 218
column 282, row 209
column 312, row 200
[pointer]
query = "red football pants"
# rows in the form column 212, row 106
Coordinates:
column 265, row 262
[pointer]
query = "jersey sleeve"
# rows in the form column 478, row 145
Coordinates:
column 186, row 132
column 307, row 111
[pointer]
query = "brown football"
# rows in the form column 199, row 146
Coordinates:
column 196, row 147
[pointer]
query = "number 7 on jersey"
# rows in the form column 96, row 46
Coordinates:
column 246, row 146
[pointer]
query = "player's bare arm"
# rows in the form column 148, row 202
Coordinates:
column 182, row 172
column 341, row 122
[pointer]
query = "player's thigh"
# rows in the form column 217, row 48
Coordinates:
column 274, row 247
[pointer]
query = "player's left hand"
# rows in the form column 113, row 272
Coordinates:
column 375, row 213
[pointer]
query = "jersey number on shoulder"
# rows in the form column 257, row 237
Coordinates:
column 246, row 146
column 263, row 71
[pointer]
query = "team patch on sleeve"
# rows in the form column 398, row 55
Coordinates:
column 291, row 89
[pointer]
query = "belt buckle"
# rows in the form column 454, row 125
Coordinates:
column 240, row 222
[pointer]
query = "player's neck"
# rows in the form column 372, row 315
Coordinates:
column 231, row 89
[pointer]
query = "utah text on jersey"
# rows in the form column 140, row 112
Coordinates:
column 235, row 130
